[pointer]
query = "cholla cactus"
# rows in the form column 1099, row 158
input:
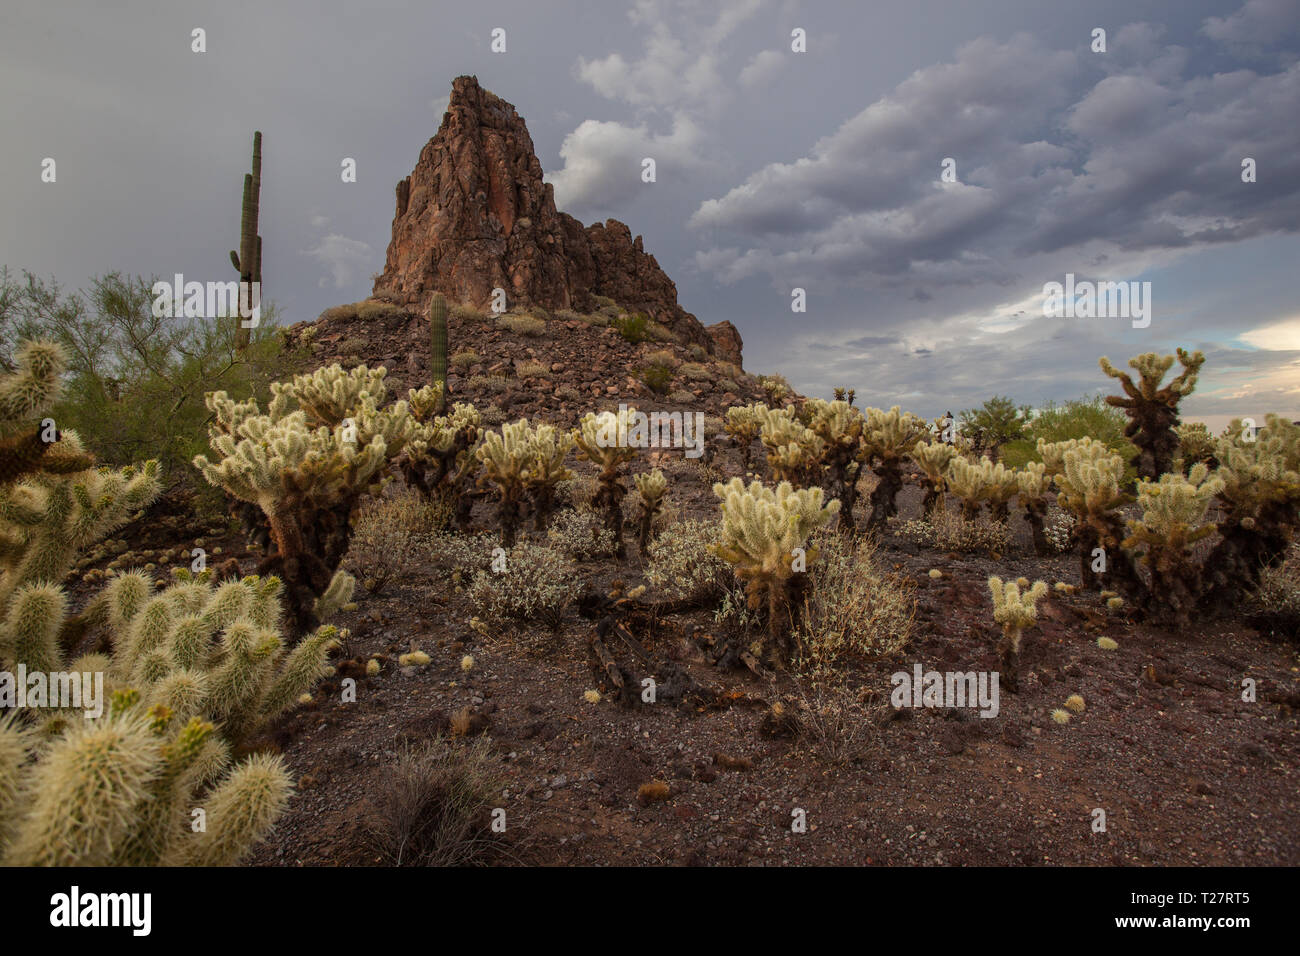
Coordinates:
column 651, row 487
column 439, row 456
column 548, row 446
column 120, row 791
column 841, row 427
column 505, row 459
column 1173, row 519
column 888, row 439
column 976, row 482
column 1015, row 607
column 1052, row 454
column 764, row 533
column 1260, row 497
column 1092, row 486
column 1033, row 483
column 194, row 648
column 305, row 469
column 25, row 394
column 602, row 440
column 45, row 519
column 1196, row 445
column 933, row 459
column 1152, row 410
column 794, row 451
column 743, row 424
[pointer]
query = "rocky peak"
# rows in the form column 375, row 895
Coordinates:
column 475, row 215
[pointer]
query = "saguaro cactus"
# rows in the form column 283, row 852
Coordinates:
column 248, row 260
column 1153, row 411
column 438, row 348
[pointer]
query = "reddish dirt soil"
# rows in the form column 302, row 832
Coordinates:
column 1185, row 770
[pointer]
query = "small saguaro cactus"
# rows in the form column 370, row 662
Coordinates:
column 1152, row 410
column 933, row 459
column 602, row 440
column 651, row 487
column 438, row 348
column 889, row 438
column 1015, row 607
column 764, row 534
column 1173, row 519
column 248, row 260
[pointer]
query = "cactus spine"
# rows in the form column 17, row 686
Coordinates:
column 248, row 260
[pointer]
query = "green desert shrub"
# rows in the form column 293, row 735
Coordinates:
column 525, row 325
column 1088, row 417
column 463, row 361
column 135, row 383
column 634, row 327
column 658, row 377
column 491, row 384
column 695, row 371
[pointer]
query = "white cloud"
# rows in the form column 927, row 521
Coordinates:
column 762, row 68
column 345, row 260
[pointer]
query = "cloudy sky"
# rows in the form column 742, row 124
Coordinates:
column 777, row 169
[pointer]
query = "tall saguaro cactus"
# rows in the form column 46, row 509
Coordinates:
column 248, row 260
column 438, row 347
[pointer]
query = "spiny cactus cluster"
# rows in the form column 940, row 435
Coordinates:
column 889, row 438
column 794, row 451
column 765, row 532
column 651, row 487
column 137, row 787
column 305, row 462
column 1152, row 409
column 600, row 440
column 439, row 458
column 933, row 458
column 1092, row 485
column 1173, row 519
column 1015, row 607
column 982, row 482
column 524, row 460
column 744, row 423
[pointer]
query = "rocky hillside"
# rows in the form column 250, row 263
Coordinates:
column 556, row 367
column 475, row 215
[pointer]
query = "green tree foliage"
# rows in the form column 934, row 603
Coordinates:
column 993, row 424
column 1087, row 417
column 135, row 383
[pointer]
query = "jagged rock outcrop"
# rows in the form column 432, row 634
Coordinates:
column 475, row 215
column 727, row 343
